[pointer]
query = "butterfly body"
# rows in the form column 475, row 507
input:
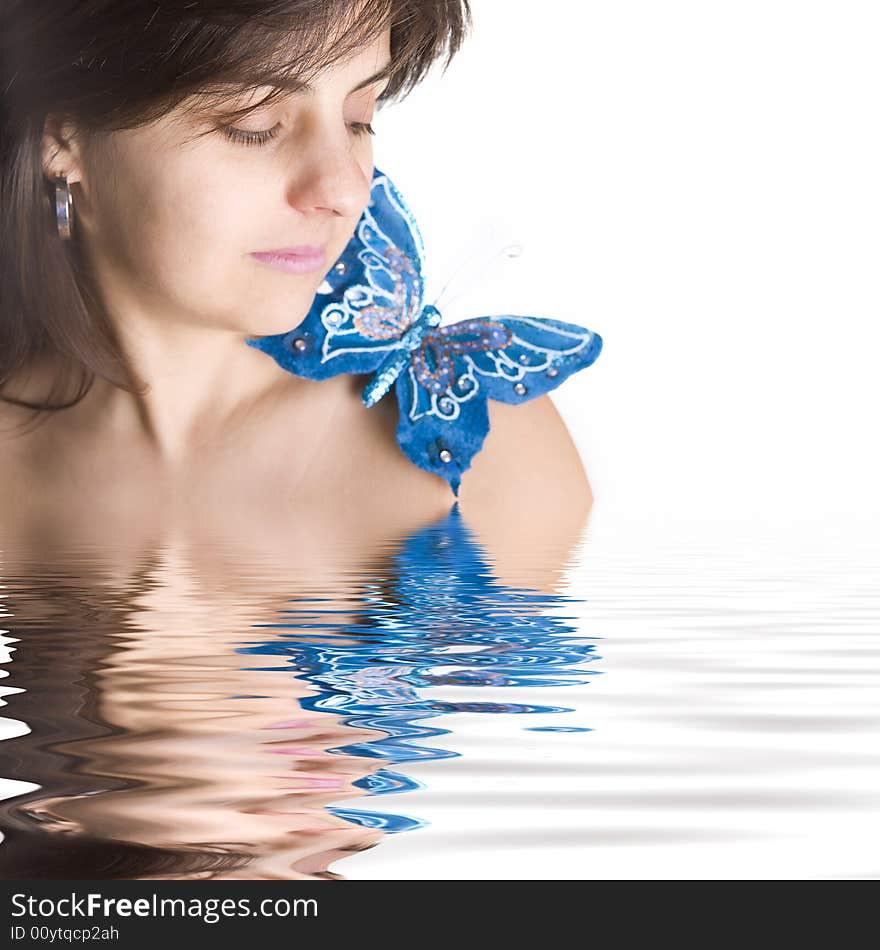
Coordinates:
column 369, row 318
column 391, row 367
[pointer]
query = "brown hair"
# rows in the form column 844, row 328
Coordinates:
column 106, row 66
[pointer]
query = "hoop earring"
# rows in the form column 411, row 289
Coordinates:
column 63, row 208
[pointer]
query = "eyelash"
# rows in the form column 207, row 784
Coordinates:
column 261, row 138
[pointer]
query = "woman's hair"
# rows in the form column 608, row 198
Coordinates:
column 104, row 66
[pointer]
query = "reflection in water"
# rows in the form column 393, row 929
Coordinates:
column 437, row 607
column 158, row 739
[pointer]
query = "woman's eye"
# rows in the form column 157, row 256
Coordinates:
column 249, row 138
column 261, row 138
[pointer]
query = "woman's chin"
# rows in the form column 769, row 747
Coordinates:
column 278, row 315
column 270, row 326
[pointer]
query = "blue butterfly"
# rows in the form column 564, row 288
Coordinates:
column 368, row 317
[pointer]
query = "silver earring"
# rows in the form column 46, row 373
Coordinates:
column 63, row 207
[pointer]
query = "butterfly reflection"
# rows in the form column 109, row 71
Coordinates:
column 437, row 605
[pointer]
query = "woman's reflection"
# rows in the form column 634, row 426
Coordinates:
column 197, row 718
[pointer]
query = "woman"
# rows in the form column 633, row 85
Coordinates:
column 157, row 289
column 188, row 142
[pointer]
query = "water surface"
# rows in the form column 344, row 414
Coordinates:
column 697, row 702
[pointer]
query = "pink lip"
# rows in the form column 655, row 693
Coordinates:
column 294, row 260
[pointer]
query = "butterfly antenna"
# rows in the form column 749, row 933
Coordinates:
column 477, row 265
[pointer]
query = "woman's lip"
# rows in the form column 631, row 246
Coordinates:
column 294, row 260
column 305, row 249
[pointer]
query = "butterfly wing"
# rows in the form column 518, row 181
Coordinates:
column 367, row 300
column 440, row 442
column 443, row 393
column 540, row 355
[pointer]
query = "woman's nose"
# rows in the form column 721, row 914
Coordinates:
column 331, row 178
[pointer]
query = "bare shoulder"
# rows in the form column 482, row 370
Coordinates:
column 20, row 431
column 13, row 429
column 528, row 455
column 14, row 463
column 527, row 489
column 16, row 421
column 31, row 384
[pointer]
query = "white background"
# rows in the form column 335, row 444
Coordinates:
column 698, row 183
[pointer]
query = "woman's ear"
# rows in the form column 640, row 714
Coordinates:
column 60, row 151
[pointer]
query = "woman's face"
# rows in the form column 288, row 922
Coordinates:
column 170, row 221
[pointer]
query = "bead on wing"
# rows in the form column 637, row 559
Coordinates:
column 367, row 300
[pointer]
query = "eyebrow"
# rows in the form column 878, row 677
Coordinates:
column 299, row 85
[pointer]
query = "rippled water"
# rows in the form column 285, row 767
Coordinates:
column 683, row 703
